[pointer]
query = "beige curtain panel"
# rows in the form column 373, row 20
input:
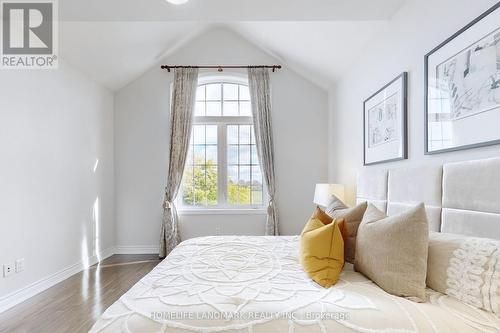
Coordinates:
column 181, row 120
column 260, row 94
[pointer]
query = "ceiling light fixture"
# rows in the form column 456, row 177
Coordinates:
column 177, row 2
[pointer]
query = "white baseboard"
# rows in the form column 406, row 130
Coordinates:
column 10, row 300
column 20, row 295
column 137, row 249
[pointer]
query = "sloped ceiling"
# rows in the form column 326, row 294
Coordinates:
column 114, row 41
column 321, row 50
column 114, row 53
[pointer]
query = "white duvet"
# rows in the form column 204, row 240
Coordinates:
column 255, row 284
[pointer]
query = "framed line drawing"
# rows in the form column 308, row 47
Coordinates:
column 462, row 88
column 385, row 125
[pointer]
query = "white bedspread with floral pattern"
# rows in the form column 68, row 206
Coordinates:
column 256, row 284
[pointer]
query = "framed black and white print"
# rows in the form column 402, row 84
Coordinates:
column 462, row 88
column 385, row 123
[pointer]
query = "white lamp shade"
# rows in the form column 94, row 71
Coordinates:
column 323, row 193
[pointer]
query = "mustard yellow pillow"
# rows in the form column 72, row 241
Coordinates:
column 322, row 251
column 326, row 219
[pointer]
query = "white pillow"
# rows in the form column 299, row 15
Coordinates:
column 467, row 268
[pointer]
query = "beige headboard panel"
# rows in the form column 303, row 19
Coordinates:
column 471, row 198
column 461, row 198
column 411, row 186
column 372, row 187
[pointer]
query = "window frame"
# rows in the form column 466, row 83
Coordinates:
column 222, row 122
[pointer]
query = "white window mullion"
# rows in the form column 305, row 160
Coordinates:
column 222, row 99
column 221, row 165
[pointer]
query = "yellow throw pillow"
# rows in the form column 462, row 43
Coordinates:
column 326, row 219
column 322, row 251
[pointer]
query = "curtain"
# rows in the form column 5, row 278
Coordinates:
column 260, row 94
column 181, row 120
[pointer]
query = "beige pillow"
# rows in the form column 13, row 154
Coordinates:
column 335, row 203
column 467, row 268
column 352, row 218
column 392, row 251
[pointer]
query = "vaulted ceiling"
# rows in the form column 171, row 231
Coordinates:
column 114, row 41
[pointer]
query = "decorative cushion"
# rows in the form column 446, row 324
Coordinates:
column 326, row 219
column 467, row 268
column 392, row 251
column 352, row 218
column 322, row 252
column 322, row 216
column 335, row 203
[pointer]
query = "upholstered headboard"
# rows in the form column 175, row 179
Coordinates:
column 372, row 187
column 461, row 198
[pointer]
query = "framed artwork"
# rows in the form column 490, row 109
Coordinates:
column 462, row 88
column 385, row 123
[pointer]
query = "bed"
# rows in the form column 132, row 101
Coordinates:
column 256, row 284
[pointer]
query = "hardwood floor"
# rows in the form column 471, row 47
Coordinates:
column 76, row 303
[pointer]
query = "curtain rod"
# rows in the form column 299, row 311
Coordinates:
column 221, row 68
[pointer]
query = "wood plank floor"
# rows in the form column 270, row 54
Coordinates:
column 76, row 303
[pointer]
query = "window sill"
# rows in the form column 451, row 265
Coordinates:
column 248, row 211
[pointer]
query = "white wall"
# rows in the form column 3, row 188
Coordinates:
column 141, row 145
column 415, row 30
column 54, row 124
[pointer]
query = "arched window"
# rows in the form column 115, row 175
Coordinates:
column 222, row 169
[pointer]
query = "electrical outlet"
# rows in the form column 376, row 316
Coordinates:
column 8, row 269
column 19, row 265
